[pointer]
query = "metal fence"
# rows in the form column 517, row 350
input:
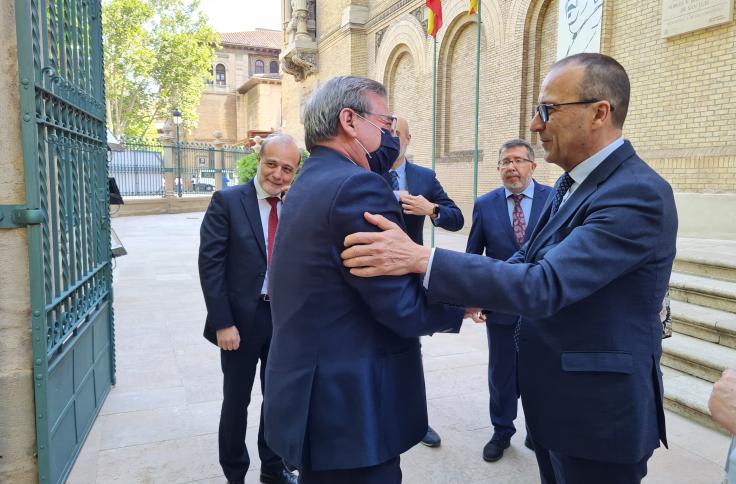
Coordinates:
column 142, row 168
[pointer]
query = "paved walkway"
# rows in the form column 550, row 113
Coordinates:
column 159, row 424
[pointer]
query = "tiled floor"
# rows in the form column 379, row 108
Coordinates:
column 159, row 424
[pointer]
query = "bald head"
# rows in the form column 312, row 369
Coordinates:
column 402, row 131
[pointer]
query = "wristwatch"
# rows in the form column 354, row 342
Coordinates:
column 436, row 210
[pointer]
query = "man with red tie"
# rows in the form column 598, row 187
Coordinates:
column 236, row 242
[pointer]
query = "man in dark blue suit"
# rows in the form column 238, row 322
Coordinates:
column 421, row 195
column 236, row 241
column 345, row 394
column 503, row 220
column 589, row 283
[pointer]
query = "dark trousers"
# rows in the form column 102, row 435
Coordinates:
column 556, row 468
column 388, row 472
column 502, row 381
column 239, row 370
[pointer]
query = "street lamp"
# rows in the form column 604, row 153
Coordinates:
column 176, row 114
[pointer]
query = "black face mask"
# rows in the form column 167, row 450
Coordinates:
column 384, row 157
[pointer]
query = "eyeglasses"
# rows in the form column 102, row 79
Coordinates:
column 543, row 108
column 506, row 162
column 389, row 119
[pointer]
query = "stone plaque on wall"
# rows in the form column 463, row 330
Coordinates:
column 681, row 16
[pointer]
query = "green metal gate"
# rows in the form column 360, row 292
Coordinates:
column 67, row 215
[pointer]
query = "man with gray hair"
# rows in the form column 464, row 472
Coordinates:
column 236, row 244
column 346, row 389
column 503, row 220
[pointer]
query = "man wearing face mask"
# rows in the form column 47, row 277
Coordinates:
column 346, row 389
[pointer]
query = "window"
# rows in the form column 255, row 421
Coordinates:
column 274, row 67
column 259, row 67
column 220, row 75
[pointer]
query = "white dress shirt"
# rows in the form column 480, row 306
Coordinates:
column 265, row 210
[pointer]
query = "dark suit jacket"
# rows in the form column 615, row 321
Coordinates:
column 345, row 382
column 492, row 232
column 232, row 259
column 589, row 286
column 423, row 181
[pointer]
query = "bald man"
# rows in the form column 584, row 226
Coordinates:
column 421, row 195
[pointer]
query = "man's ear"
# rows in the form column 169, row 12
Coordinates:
column 347, row 122
column 602, row 114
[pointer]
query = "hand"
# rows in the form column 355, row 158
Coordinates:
column 475, row 314
column 722, row 403
column 284, row 191
column 228, row 338
column 387, row 253
column 416, row 205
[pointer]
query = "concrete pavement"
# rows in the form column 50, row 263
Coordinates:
column 159, row 423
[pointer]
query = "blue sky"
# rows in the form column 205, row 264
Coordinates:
column 239, row 15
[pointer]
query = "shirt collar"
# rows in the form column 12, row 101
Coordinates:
column 581, row 171
column 528, row 192
column 261, row 194
column 401, row 169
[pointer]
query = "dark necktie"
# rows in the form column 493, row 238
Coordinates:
column 273, row 222
column 393, row 180
column 519, row 224
column 561, row 187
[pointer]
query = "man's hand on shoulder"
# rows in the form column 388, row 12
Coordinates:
column 387, row 253
column 228, row 338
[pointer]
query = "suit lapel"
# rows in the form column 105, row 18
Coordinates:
column 501, row 206
column 411, row 179
column 537, row 205
column 253, row 214
column 549, row 226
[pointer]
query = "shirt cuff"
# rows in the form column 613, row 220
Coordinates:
column 425, row 281
column 435, row 220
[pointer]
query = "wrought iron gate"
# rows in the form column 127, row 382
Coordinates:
column 67, row 215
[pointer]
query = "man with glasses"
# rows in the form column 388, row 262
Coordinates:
column 346, row 387
column 503, row 220
column 421, row 195
column 588, row 284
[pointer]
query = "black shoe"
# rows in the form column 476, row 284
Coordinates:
column 280, row 477
column 431, row 438
column 493, row 450
column 528, row 443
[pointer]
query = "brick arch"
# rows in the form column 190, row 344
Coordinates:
column 455, row 11
column 405, row 36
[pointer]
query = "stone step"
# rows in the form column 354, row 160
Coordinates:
column 704, row 323
column 702, row 291
column 706, row 258
column 688, row 395
column 696, row 357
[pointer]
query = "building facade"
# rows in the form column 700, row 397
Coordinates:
column 243, row 98
column 681, row 84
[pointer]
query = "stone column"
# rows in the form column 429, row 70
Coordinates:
column 219, row 158
column 17, row 420
column 168, row 140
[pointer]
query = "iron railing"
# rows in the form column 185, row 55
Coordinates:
column 141, row 168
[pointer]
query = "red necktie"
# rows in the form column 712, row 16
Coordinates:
column 273, row 222
column 519, row 222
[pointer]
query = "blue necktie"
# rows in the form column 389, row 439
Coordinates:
column 393, row 180
column 561, row 187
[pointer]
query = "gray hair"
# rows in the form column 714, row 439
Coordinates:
column 279, row 138
column 322, row 112
column 513, row 143
column 604, row 79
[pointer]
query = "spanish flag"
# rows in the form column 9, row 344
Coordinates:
column 473, row 7
column 435, row 17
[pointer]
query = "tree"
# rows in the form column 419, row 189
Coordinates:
column 158, row 55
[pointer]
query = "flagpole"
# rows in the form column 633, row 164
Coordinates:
column 477, row 103
column 434, row 112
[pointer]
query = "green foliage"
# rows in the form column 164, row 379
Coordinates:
column 247, row 166
column 158, row 55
